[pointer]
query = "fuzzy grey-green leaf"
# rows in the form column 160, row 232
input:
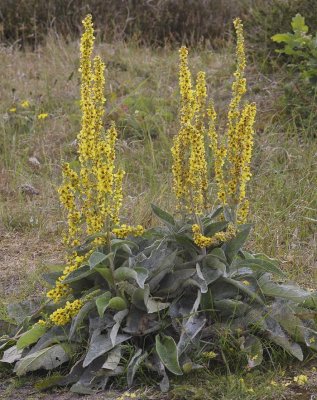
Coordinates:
column 167, row 351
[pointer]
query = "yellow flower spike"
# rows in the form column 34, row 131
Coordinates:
column 91, row 196
column 189, row 160
column 219, row 154
column 126, row 230
column 64, row 315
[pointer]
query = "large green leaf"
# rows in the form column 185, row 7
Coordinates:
column 278, row 336
column 167, row 351
column 106, row 301
column 118, row 318
column 232, row 247
column 159, row 264
column 22, row 310
column 83, row 312
column 106, row 273
column 139, row 274
column 284, row 314
column 54, row 335
column 48, row 358
column 79, row 274
column 231, row 308
column 97, row 258
column 11, row 355
column 211, row 275
column 190, row 329
column 214, row 227
column 140, row 297
column 244, row 289
column 117, row 303
column 141, row 322
column 217, row 254
column 102, row 302
column 31, row 336
column 258, row 264
column 286, row 291
column 113, row 359
column 100, row 345
column 163, row 215
column 134, row 364
column 116, row 244
column 92, row 378
column 174, row 281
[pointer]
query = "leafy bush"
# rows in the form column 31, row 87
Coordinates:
column 302, row 49
column 266, row 18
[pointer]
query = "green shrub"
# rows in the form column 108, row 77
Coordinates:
column 266, row 18
column 301, row 48
column 300, row 51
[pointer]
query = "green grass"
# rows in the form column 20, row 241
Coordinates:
column 142, row 97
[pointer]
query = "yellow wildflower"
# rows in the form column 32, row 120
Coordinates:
column 189, row 161
column 25, row 104
column 301, row 379
column 13, row 109
column 216, row 239
column 209, row 355
column 42, row 116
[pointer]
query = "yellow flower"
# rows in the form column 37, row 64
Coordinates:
column 301, row 379
column 25, row 104
column 216, row 239
column 42, row 116
column 13, row 109
column 63, row 315
column 209, row 355
column 126, row 230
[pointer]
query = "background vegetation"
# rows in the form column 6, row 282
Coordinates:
column 142, row 96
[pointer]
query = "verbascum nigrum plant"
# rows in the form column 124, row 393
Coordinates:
column 178, row 297
column 231, row 150
column 92, row 194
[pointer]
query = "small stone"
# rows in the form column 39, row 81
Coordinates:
column 34, row 163
column 28, row 189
